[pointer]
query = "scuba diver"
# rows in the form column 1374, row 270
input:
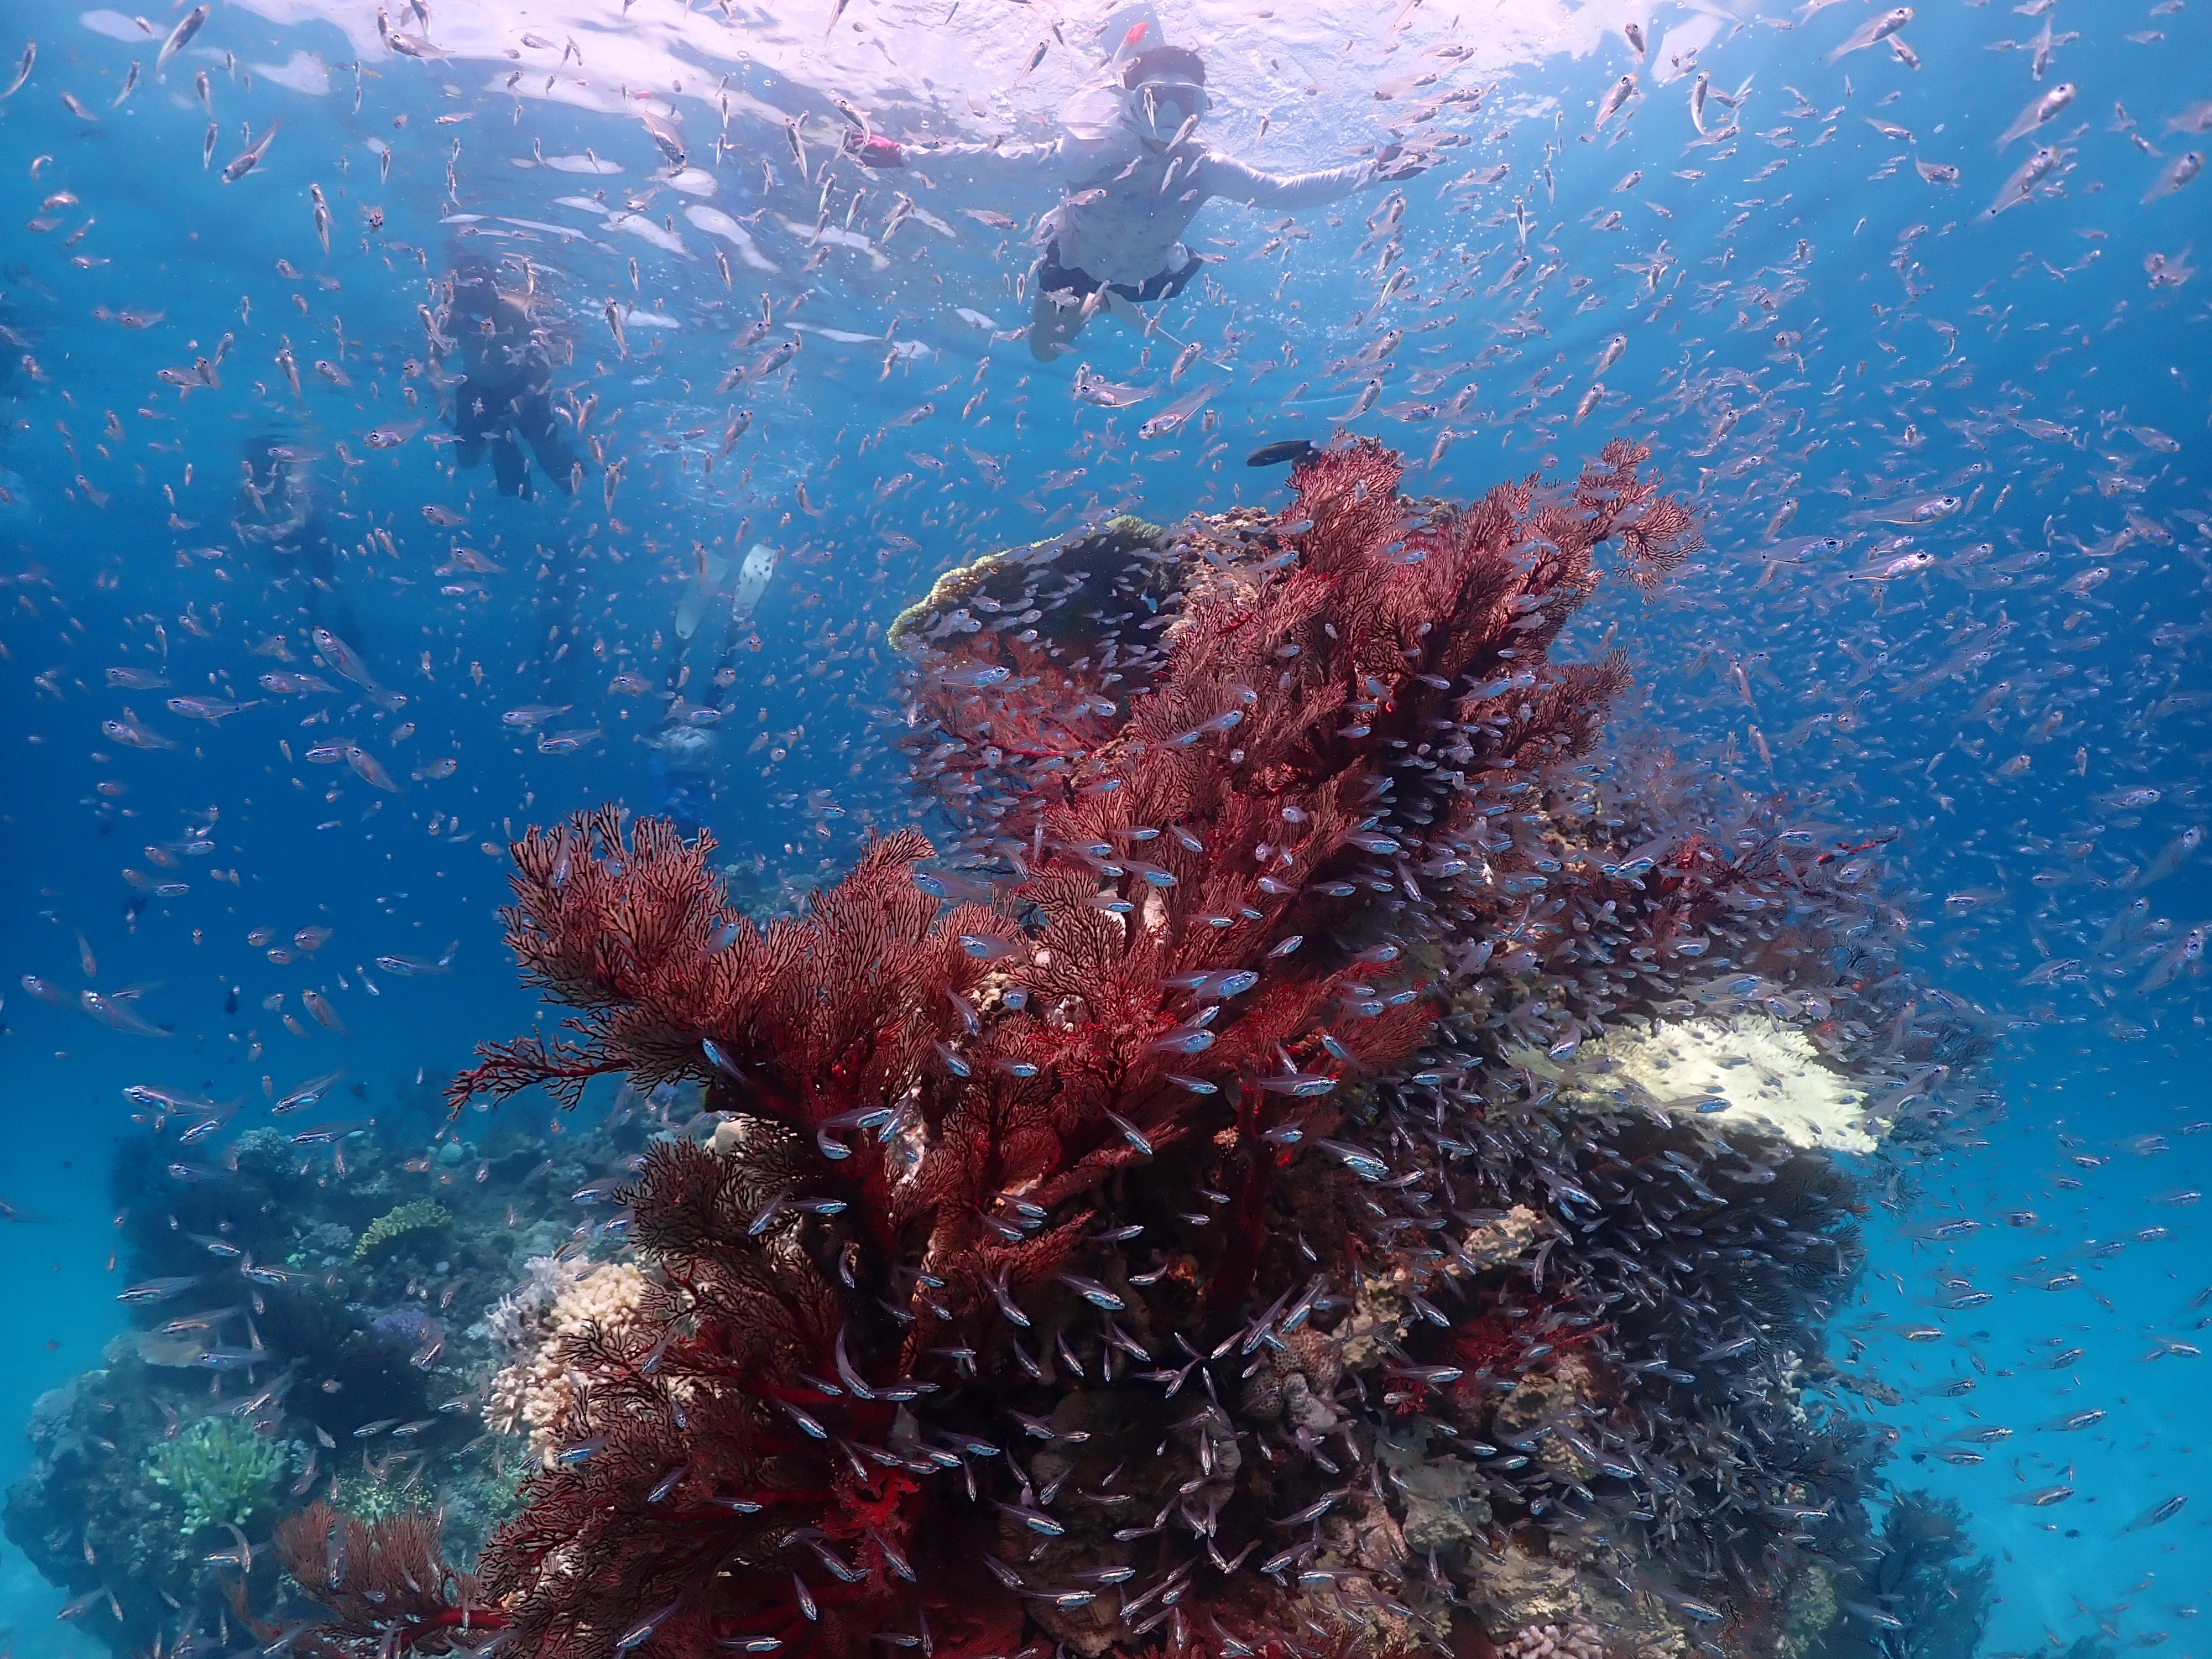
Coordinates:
column 503, row 397
column 276, row 512
column 714, row 623
column 1115, row 239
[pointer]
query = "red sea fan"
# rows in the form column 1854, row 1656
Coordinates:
column 1347, row 634
column 386, row 1581
column 633, row 929
column 736, row 1482
column 1029, row 1295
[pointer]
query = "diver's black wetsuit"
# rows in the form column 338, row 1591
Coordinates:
column 504, row 397
column 686, row 764
column 278, row 515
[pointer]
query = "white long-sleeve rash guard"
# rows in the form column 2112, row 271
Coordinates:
column 1129, row 234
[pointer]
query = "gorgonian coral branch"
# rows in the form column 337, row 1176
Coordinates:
column 386, row 1583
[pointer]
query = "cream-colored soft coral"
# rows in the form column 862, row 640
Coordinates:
column 535, row 1392
column 1571, row 1641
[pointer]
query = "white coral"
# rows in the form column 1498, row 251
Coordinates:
column 1770, row 1078
column 1572, row 1641
column 537, row 1391
column 516, row 1320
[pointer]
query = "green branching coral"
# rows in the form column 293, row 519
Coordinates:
column 407, row 1218
column 219, row 1470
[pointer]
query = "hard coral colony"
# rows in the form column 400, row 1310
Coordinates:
column 1160, row 1245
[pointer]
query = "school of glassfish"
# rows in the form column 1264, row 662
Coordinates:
column 763, row 322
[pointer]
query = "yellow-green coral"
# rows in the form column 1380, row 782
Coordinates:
column 219, row 1470
column 407, row 1218
column 366, row 1498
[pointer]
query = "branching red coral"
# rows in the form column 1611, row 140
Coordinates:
column 386, row 1581
column 1034, row 1292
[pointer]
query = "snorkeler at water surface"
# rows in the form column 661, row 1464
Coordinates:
column 1133, row 180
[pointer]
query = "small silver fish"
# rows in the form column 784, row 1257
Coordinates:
column 1905, row 564
column 1618, row 93
column 2038, row 111
column 2021, row 187
column 2157, row 1514
column 1873, row 32
column 125, row 729
column 1097, row 389
column 250, row 158
column 208, row 708
column 22, row 71
column 2182, row 170
column 181, row 37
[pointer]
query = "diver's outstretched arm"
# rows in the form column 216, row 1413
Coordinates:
column 1238, row 181
column 972, row 164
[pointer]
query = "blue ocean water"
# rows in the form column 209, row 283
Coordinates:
column 1825, row 328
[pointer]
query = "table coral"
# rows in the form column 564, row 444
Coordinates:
column 1748, row 1071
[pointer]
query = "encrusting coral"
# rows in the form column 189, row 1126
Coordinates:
column 1136, row 1238
column 417, row 1217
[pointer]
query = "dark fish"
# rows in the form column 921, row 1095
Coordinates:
column 1296, row 450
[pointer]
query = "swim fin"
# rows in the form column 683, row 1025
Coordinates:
column 1123, row 310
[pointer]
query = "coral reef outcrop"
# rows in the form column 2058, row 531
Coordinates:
column 1266, row 1174
column 1134, row 1222
column 267, row 1364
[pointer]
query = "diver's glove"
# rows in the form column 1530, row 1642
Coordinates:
column 874, row 152
column 1395, row 163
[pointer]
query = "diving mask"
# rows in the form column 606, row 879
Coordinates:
column 1156, row 110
